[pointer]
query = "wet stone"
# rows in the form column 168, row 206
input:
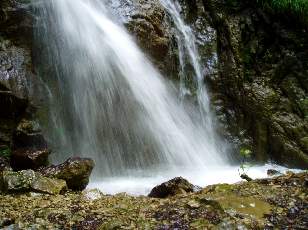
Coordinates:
column 75, row 171
column 172, row 187
column 29, row 158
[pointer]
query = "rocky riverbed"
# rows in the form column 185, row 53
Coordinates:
column 275, row 203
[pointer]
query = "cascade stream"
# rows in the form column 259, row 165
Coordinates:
column 109, row 103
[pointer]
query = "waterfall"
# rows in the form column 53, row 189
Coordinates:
column 109, row 103
column 188, row 55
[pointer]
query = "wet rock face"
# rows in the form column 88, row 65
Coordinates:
column 13, row 89
column 17, row 78
column 16, row 21
column 261, row 88
column 172, row 187
column 16, row 31
column 14, row 72
column 28, row 180
column 147, row 22
column 75, row 171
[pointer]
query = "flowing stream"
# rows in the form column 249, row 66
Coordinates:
column 109, row 103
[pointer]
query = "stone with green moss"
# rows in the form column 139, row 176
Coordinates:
column 28, row 180
column 277, row 202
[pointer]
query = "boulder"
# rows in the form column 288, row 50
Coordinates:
column 28, row 135
column 172, row 187
column 30, row 181
column 29, row 158
column 75, row 171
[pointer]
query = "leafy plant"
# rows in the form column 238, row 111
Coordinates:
column 245, row 154
column 5, row 151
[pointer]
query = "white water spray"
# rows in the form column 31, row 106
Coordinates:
column 111, row 104
column 188, row 54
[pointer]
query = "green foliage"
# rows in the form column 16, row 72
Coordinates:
column 5, row 151
column 297, row 7
column 245, row 153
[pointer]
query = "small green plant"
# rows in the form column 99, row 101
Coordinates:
column 5, row 151
column 245, row 154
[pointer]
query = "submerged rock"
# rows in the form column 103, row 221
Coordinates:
column 75, row 171
column 172, row 187
column 28, row 180
column 29, row 158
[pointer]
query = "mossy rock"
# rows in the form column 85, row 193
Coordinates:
column 30, row 181
column 75, row 171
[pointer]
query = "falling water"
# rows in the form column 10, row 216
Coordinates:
column 188, row 54
column 109, row 103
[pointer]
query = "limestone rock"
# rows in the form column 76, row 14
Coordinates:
column 75, row 171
